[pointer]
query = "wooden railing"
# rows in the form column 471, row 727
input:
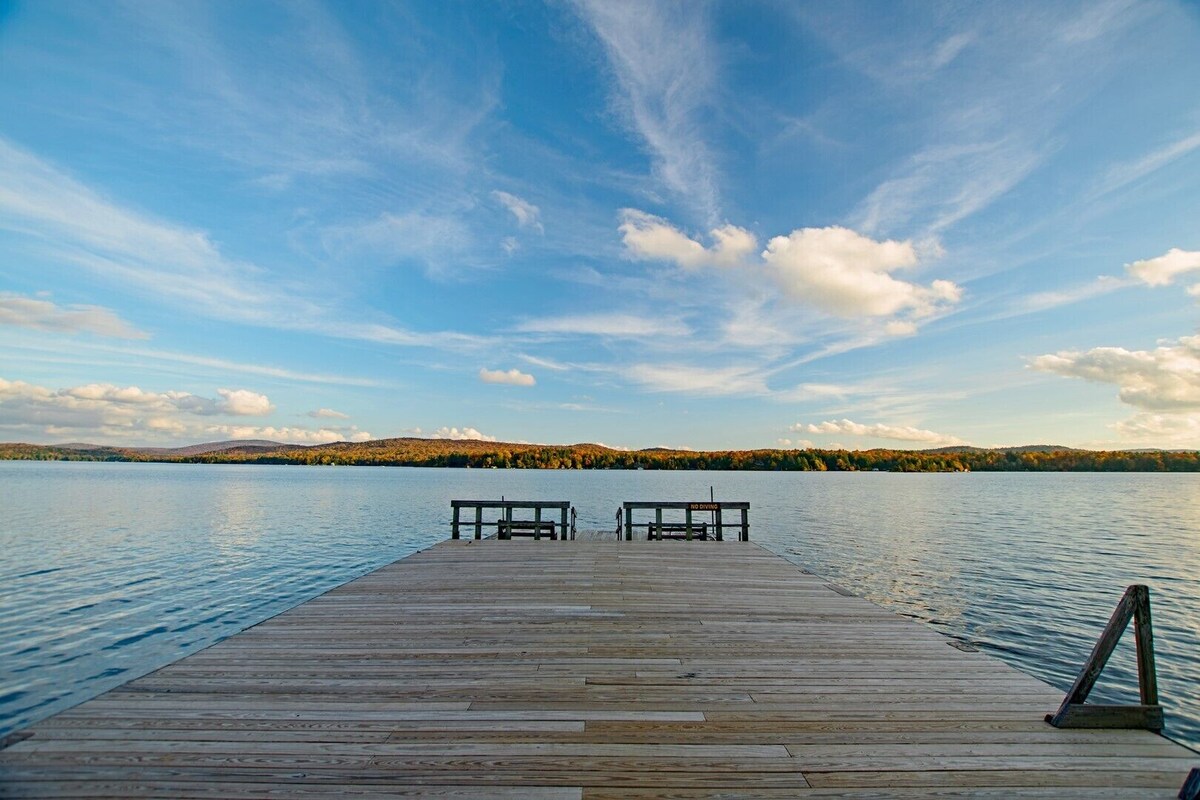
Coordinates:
column 689, row 528
column 1075, row 713
column 506, row 525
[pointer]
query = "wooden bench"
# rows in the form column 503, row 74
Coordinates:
column 508, row 528
column 673, row 531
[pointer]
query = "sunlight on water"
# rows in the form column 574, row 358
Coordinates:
column 108, row 571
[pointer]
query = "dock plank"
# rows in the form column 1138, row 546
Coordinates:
column 584, row 669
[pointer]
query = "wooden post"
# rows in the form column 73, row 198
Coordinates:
column 537, row 523
column 1191, row 786
column 687, row 522
column 745, row 536
column 1144, row 637
column 717, row 524
column 657, row 524
column 628, row 523
column 478, row 522
column 564, row 523
column 454, row 523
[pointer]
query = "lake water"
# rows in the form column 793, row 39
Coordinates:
column 108, row 571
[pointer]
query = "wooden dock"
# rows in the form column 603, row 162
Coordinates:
column 585, row 669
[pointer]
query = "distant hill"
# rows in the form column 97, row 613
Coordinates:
column 207, row 447
column 1025, row 448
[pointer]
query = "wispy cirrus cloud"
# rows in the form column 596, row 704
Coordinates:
column 45, row 315
column 665, row 68
column 327, row 413
column 615, row 326
column 167, row 261
column 525, row 213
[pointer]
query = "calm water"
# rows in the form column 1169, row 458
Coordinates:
column 108, row 571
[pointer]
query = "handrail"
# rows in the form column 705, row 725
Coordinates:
column 506, row 524
column 1073, row 713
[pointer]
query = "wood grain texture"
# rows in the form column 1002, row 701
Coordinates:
column 584, row 669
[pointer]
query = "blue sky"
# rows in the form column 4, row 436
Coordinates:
column 704, row 225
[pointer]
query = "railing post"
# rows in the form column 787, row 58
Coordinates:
column 1144, row 637
column 687, row 522
column 745, row 535
column 478, row 522
column 454, row 523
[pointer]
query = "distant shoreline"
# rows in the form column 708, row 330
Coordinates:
column 410, row 452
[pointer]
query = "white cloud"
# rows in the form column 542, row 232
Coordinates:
column 289, row 435
column 512, row 377
column 834, row 269
column 616, row 326
column 1102, row 285
column 43, row 315
column 847, row 274
column 184, row 266
column 327, row 413
column 461, row 434
column 698, row 380
column 1123, row 174
column 649, row 237
column 941, row 185
column 1164, row 379
column 244, row 403
column 527, row 214
column 1163, row 429
column 665, row 66
column 105, row 412
column 900, row 433
column 436, row 241
column 1163, row 270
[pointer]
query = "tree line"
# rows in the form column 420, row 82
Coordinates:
column 484, row 455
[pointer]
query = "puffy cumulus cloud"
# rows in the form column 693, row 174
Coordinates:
column 327, row 413
column 848, row 274
column 44, row 315
column 526, row 214
column 290, row 435
column 899, row 433
column 130, row 415
column 1163, row 271
column 461, row 434
column 649, row 237
column 1165, row 429
column 1166, row 378
column 512, row 377
column 797, row 444
column 833, row 269
column 243, row 403
column 617, row 326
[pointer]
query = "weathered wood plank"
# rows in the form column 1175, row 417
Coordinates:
column 584, row 670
